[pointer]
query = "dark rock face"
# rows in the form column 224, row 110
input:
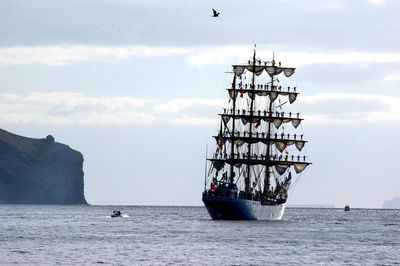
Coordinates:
column 39, row 171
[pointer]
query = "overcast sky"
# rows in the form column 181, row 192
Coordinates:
column 136, row 87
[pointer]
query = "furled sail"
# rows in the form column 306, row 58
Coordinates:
column 272, row 94
column 280, row 144
column 281, row 168
column 282, row 164
column 239, row 70
column 256, row 69
column 271, row 70
column 277, row 121
column 299, row 167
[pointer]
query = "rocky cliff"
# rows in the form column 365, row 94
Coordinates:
column 392, row 204
column 39, row 171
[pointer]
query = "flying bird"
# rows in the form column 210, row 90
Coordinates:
column 215, row 13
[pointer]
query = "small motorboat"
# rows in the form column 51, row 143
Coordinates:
column 347, row 208
column 116, row 214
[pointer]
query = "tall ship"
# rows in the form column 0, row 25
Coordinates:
column 259, row 150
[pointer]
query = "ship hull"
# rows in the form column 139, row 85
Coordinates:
column 226, row 208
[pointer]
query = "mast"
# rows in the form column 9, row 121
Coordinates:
column 267, row 178
column 272, row 162
column 247, row 181
column 233, row 126
column 205, row 170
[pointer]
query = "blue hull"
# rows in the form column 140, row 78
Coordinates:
column 227, row 208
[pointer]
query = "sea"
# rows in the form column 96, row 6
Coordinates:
column 159, row 235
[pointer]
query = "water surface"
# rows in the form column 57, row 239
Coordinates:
column 40, row 234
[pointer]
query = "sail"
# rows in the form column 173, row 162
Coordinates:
column 280, row 143
column 276, row 120
column 271, row 70
column 298, row 167
column 255, row 159
column 281, row 165
column 273, row 94
column 281, row 168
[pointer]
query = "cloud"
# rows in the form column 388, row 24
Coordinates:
column 177, row 105
column 195, row 56
column 62, row 55
column 392, row 76
column 77, row 108
column 228, row 54
column 350, row 108
column 377, row 2
column 70, row 108
column 222, row 55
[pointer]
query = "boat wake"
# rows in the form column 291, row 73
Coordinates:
column 123, row 215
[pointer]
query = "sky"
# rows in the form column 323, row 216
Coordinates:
column 136, row 86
